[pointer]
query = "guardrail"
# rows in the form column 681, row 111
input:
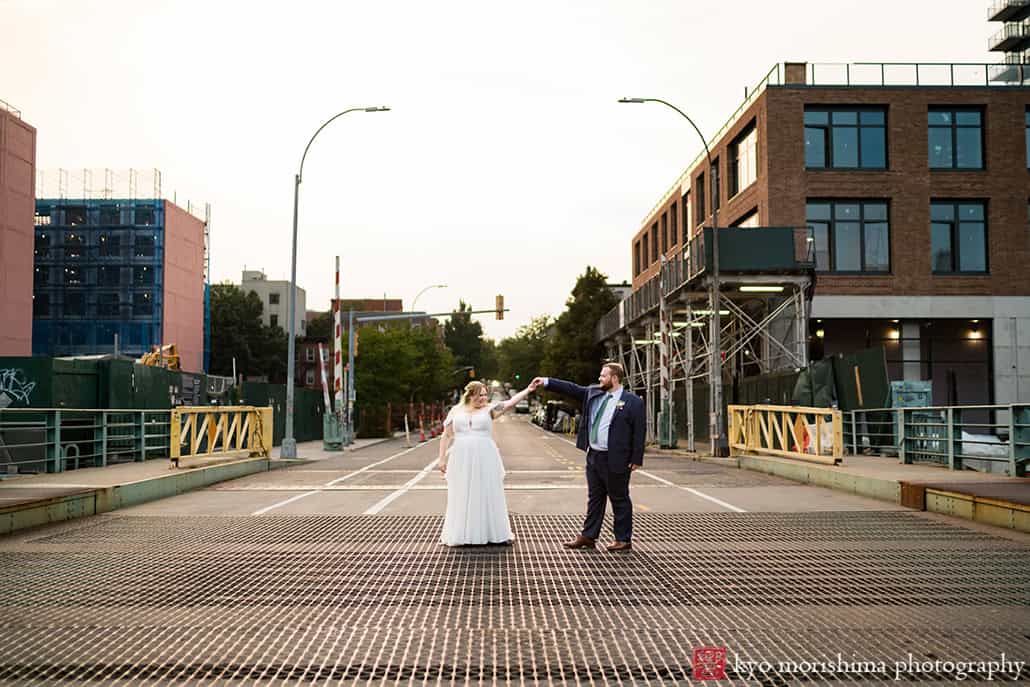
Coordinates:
column 57, row 439
column 206, row 431
column 944, row 435
column 811, row 434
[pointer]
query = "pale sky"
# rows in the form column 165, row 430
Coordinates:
column 506, row 165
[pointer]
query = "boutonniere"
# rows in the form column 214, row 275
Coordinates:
column 620, row 405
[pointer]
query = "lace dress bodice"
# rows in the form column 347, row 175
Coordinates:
column 472, row 423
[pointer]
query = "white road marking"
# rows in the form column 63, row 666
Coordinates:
column 339, row 479
column 403, row 490
column 695, row 492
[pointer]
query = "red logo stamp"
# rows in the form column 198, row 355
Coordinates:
column 710, row 663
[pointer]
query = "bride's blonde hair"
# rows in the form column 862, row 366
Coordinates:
column 472, row 389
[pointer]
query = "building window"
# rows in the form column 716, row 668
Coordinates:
column 699, row 197
column 955, row 138
column 41, row 276
column 74, row 245
column 142, row 276
column 958, row 236
column 110, row 215
column 74, row 305
column 309, row 377
column 716, row 190
column 747, row 220
column 109, row 245
column 75, row 215
column 309, row 354
column 144, row 246
column 665, row 232
column 42, row 248
column 144, row 216
column 273, row 299
column 273, row 320
column 41, row 305
column 673, row 222
column 108, row 305
column 72, row 275
column 645, row 251
column 850, row 236
column 142, row 305
column 109, row 276
column 686, row 217
column 744, row 160
column 845, row 138
column 43, row 218
column 654, row 242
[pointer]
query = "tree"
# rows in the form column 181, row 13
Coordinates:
column 574, row 353
column 464, row 337
column 237, row 332
column 521, row 357
column 400, row 365
column 321, row 327
column 489, row 365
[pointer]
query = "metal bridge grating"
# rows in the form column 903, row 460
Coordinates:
column 374, row 600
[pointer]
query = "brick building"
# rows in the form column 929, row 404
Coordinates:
column 915, row 182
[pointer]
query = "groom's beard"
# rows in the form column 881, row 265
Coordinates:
column 606, row 386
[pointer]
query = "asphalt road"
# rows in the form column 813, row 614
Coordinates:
column 544, row 476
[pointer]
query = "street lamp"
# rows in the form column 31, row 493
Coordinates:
column 717, row 436
column 289, row 445
column 431, row 286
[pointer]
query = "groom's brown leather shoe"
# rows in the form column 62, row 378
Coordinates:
column 579, row 542
column 620, row 546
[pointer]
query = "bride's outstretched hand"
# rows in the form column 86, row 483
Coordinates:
column 535, row 383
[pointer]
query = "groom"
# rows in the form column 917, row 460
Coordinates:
column 612, row 433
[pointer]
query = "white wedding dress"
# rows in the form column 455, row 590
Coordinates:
column 477, row 512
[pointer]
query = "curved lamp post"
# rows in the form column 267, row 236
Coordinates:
column 717, row 436
column 431, row 286
column 289, row 445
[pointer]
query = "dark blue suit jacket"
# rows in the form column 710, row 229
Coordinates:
column 627, row 432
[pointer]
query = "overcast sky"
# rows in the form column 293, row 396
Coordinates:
column 506, row 166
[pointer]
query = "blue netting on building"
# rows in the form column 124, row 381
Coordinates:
column 98, row 272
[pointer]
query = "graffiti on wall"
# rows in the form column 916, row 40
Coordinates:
column 14, row 387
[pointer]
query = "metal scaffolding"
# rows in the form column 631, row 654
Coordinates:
column 764, row 318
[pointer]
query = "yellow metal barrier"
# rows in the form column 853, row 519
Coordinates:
column 205, row 431
column 813, row 434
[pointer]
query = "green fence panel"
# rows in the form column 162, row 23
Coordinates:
column 26, row 382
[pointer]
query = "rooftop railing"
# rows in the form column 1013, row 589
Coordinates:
column 10, row 108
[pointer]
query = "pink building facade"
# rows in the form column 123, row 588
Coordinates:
column 17, row 207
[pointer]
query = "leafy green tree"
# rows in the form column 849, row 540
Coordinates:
column 521, row 357
column 321, row 327
column 464, row 337
column 237, row 332
column 489, row 365
column 574, row 354
column 399, row 365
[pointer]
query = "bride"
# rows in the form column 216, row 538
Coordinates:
column 476, row 509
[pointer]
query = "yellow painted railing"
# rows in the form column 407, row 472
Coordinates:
column 206, row 431
column 813, row 434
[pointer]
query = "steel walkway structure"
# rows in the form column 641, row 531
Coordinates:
column 662, row 332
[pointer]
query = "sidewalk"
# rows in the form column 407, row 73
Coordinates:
column 31, row 500
column 988, row 498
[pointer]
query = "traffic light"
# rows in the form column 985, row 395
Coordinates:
column 500, row 307
column 472, row 373
column 517, row 375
